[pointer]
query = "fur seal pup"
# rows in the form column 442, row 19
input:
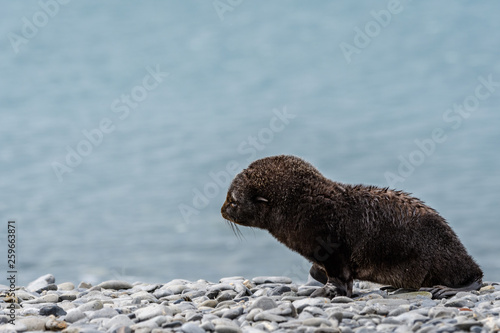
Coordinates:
column 351, row 231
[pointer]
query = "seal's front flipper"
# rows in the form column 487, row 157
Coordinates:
column 440, row 292
column 318, row 274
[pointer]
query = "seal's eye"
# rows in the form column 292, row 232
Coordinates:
column 233, row 204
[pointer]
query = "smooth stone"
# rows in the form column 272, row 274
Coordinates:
column 49, row 298
column 42, row 281
column 65, row 286
column 315, row 311
column 211, row 303
column 84, row 285
column 269, row 317
column 115, row 284
column 306, row 291
column 264, row 303
column 207, row 326
column 226, row 296
column 74, row 315
column 123, row 329
column 34, row 323
column 173, row 324
column 91, row 306
column 316, row 322
column 279, row 290
column 410, row 317
column 284, row 309
column 271, row 279
column 466, row 325
column 54, row 324
column 411, row 295
column 144, row 296
column 103, row 313
column 443, row 312
column 52, row 310
column 397, row 311
column 233, row 313
column 341, row 299
column 153, row 311
column 391, row 302
column 303, row 303
column 69, row 296
column 221, row 287
column 226, row 329
column 191, row 328
column 193, row 316
column 159, row 293
column 460, row 303
column 118, row 321
column 25, row 295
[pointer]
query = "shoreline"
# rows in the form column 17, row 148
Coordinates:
column 237, row 304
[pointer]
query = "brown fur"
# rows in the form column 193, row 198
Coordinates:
column 351, row 231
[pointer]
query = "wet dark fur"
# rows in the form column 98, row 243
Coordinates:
column 351, row 231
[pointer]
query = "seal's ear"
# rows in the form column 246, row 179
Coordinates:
column 261, row 199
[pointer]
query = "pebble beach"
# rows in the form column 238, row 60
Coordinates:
column 238, row 304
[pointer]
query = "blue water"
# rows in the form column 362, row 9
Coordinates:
column 114, row 210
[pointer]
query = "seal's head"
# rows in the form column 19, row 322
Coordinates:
column 259, row 193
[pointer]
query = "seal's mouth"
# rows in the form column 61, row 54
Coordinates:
column 231, row 221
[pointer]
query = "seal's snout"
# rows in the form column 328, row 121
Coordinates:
column 223, row 210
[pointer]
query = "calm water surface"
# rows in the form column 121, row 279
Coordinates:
column 116, row 116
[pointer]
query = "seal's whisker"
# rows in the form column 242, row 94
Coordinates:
column 237, row 232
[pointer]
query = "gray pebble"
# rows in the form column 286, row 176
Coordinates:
column 193, row 316
column 271, row 279
column 410, row 317
column 269, row 317
column 41, row 282
column 65, row 286
column 173, row 324
column 316, row 322
column 115, row 284
column 74, row 315
column 341, row 299
column 152, row 311
column 52, row 310
column 91, row 306
column 144, row 296
column 103, row 313
column 207, row 326
column 233, row 313
column 34, row 323
column 460, row 303
column 279, row 290
column 284, row 309
column 226, row 296
column 264, row 303
column 227, row 329
column 442, row 312
column 191, row 328
column 84, row 285
column 118, row 321
column 301, row 304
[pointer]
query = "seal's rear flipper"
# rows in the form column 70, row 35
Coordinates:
column 445, row 292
